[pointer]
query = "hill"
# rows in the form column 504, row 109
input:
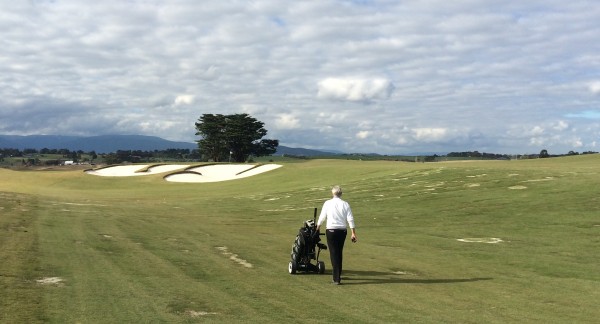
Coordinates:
column 284, row 150
column 100, row 144
column 113, row 143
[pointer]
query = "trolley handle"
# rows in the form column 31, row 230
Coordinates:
column 315, row 220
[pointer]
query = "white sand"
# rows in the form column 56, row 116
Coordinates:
column 209, row 173
column 165, row 168
column 221, row 172
column 131, row 170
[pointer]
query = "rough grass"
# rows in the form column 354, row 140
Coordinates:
column 140, row 249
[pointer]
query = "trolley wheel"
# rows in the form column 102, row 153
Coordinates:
column 321, row 267
column 292, row 267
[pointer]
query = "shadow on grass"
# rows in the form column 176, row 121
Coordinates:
column 353, row 277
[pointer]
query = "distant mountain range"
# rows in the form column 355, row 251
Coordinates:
column 113, row 143
column 99, row 144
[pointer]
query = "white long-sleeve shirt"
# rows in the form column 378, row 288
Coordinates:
column 337, row 212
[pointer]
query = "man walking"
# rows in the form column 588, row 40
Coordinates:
column 338, row 213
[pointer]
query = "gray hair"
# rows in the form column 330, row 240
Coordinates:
column 336, row 191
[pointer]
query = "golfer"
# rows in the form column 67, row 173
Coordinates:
column 338, row 213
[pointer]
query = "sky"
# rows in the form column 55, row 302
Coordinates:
column 361, row 76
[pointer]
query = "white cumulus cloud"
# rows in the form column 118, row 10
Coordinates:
column 287, row 121
column 363, row 134
column 537, row 130
column 561, row 126
column 430, row 134
column 594, row 87
column 577, row 143
column 355, row 89
column 184, row 100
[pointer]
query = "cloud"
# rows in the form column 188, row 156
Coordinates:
column 184, row 100
column 594, row 87
column 537, row 130
column 358, row 76
column 430, row 134
column 561, row 126
column 287, row 121
column 363, row 134
column 355, row 89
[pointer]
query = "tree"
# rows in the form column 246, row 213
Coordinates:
column 111, row 158
column 233, row 136
column 265, row 147
column 544, row 154
column 75, row 156
column 212, row 130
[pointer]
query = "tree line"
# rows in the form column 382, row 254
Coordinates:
column 493, row 156
column 136, row 156
column 36, row 157
column 232, row 138
column 27, row 153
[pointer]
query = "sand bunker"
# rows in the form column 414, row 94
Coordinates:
column 206, row 173
column 220, row 172
column 135, row 170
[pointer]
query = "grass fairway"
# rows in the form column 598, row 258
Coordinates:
column 76, row 248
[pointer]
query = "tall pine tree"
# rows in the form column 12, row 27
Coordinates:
column 233, row 136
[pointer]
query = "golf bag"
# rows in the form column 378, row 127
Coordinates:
column 307, row 247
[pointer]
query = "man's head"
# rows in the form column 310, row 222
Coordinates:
column 336, row 191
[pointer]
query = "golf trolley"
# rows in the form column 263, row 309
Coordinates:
column 306, row 248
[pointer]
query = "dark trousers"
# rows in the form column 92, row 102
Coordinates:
column 335, row 241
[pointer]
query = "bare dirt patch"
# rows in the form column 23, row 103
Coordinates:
column 477, row 175
column 488, row 240
column 517, row 187
column 193, row 313
column 57, row 281
column 234, row 257
column 538, row 180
